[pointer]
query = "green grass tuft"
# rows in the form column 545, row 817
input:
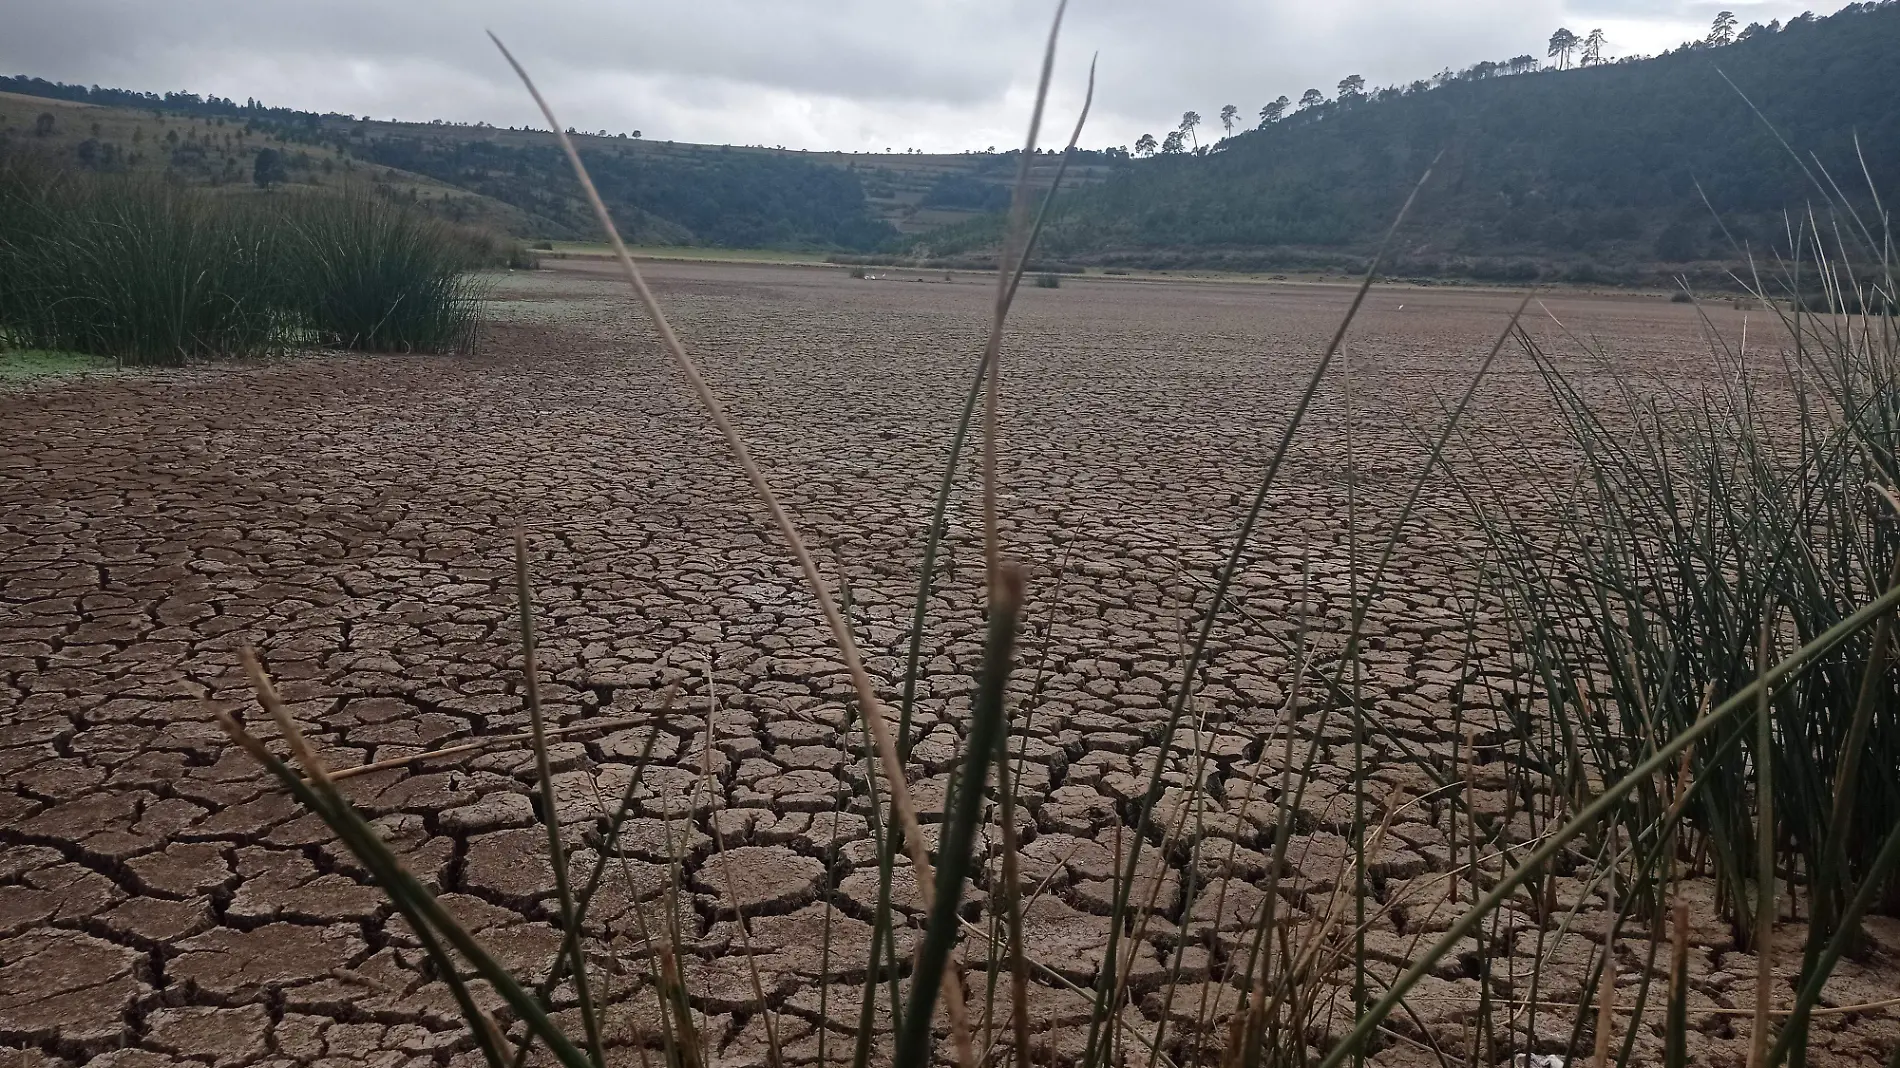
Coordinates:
column 28, row 364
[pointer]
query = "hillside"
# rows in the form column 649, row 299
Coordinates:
column 1589, row 173
column 218, row 153
column 713, row 194
column 661, row 192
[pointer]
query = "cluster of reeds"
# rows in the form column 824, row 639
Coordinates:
column 366, row 273
column 1698, row 538
column 149, row 273
column 1617, row 802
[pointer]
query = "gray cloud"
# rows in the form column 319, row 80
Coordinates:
column 851, row 74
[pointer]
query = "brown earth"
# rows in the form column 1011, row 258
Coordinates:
column 161, row 902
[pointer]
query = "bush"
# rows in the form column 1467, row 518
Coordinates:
column 521, row 258
column 1047, row 280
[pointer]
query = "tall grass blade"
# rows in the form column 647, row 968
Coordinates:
column 551, row 811
column 1106, row 982
column 870, row 706
column 987, row 719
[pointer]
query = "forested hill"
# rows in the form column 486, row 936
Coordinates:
column 661, row 192
column 1576, row 173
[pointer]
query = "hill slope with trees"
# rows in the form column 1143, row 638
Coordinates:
column 1580, row 169
column 232, row 157
column 661, row 192
column 1592, row 171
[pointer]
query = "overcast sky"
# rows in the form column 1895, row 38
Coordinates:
column 936, row 75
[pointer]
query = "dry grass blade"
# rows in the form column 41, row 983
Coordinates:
column 1606, row 986
column 732, row 888
column 1107, row 981
column 1015, row 254
column 1013, row 905
column 483, row 744
column 1765, row 866
column 551, row 809
column 870, row 706
column 427, row 918
column 1009, row 269
column 306, row 757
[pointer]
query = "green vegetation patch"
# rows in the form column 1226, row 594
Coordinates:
column 21, row 365
column 148, row 273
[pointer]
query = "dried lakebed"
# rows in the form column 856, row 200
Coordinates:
column 162, row 903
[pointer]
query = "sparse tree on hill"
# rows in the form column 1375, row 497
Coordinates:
column 1352, row 87
column 1189, row 120
column 1562, row 44
column 1311, row 99
column 1274, row 111
column 1145, row 145
column 1722, row 32
column 1593, row 48
column 268, row 168
column 1228, row 113
column 1173, row 144
column 1524, row 63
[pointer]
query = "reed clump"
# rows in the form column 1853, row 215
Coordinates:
column 1696, row 528
column 149, row 273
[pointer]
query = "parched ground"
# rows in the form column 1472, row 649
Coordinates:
column 161, row 902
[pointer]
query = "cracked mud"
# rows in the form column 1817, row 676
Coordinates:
column 161, row 903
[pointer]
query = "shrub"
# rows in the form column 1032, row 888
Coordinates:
column 521, row 258
column 1047, row 280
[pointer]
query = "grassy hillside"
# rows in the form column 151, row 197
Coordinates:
column 220, row 152
column 662, row 192
column 1586, row 173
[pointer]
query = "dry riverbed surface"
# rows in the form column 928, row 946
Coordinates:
column 162, row 903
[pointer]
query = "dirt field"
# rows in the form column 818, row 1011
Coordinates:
column 161, row 902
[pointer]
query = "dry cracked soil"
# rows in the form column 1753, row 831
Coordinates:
column 162, row 903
